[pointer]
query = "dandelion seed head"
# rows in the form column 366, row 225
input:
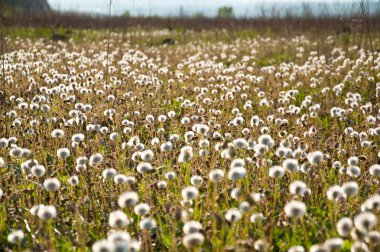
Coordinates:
column 118, row 219
column 16, row 236
column 128, row 199
column 295, row 208
column 52, row 184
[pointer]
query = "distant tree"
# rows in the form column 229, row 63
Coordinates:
column 263, row 12
column 126, row 14
column 289, row 13
column 19, row 7
column 182, row 12
column 275, row 12
column 307, row 10
column 324, row 10
column 198, row 14
column 225, row 11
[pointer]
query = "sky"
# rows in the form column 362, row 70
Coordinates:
column 189, row 7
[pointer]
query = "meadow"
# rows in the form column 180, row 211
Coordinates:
column 207, row 141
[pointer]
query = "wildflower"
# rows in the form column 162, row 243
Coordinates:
column 147, row 155
column 350, row 188
column 359, row 246
column 257, row 197
column 81, row 160
column 189, row 193
column 237, row 173
column 130, row 180
column 233, row 215
column 80, row 168
column 216, row 175
column 237, row 163
column 118, row 219
column 34, row 209
column 142, row 209
column 186, row 154
column 291, row 165
column 333, row 244
column 47, row 212
column 147, row 224
column 196, row 181
column 353, row 161
column 257, row 218
column 73, row 180
column 365, row 221
column 134, row 246
column 344, row 226
column 298, row 248
column 235, row 193
column 276, row 171
column 318, row 248
column 295, row 209
column 63, row 153
column 114, row 136
column 255, row 121
column 3, row 142
column 120, row 179
column 103, row 246
column 260, row 149
column 297, row 187
column 240, row 143
column 374, row 170
column 77, row 138
column 161, row 185
column 170, row 175
column 373, row 237
column 365, row 144
column 266, row 140
column 193, row 240
column 283, row 152
column 336, row 165
column 201, row 129
column 167, row 146
column 144, row 167
column 244, row 206
column 104, row 130
column 203, row 153
column 315, row 157
column 353, row 171
column 335, row 193
column 16, row 236
column 185, row 120
column 15, row 152
column 118, row 236
column 261, row 245
column 28, row 165
column 96, row 159
column 38, row 170
column 52, row 184
column 109, row 173
column 25, row 153
column 155, row 141
column 128, row 199
column 57, row 133
column 191, row 227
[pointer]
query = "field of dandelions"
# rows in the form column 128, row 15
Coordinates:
column 251, row 143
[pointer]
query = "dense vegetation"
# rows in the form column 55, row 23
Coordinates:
column 215, row 141
column 22, row 7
